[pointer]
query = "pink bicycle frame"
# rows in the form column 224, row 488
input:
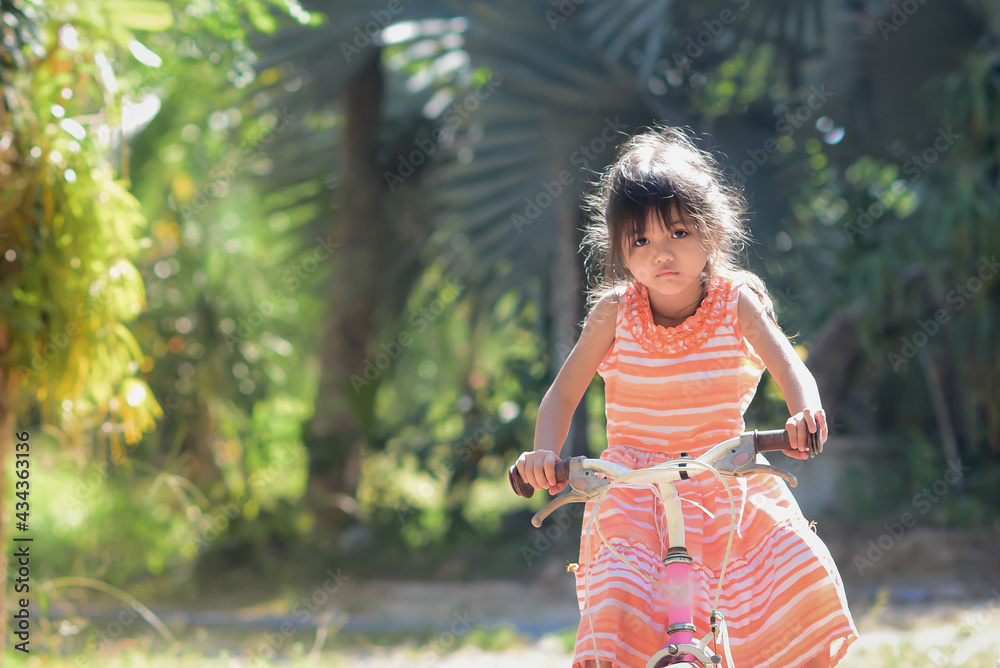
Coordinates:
column 680, row 609
column 735, row 457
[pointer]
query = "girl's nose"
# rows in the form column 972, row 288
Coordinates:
column 663, row 252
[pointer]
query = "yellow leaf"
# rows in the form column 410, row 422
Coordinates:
column 183, row 187
column 139, row 14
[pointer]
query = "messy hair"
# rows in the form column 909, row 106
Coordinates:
column 661, row 174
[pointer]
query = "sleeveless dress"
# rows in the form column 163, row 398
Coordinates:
column 684, row 389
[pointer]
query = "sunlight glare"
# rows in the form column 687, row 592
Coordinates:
column 143, row 54
column 136, row 395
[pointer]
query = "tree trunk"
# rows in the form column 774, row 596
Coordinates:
column 940, row 405
column 336, row 435
column 833, row 362
column 569, row 308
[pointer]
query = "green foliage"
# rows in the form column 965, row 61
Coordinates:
column 233, row 304
column 148, row 530
column 448, row 438
column 737, row 82
column 235, row 258
column 112, row 527
column 223, row 347
column 496, row 639
column 911, row 241
column 902, row 244
column 70, row 232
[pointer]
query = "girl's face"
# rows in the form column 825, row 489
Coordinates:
column 666, row 259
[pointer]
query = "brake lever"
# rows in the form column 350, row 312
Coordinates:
column 774, row 470
column 741, row 460
column 583, row 486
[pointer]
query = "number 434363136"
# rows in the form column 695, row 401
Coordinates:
column 22, row 471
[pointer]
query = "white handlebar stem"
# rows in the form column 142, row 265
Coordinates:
column 667, row 472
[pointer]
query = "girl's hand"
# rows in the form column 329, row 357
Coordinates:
column 800, row 425
column 538, row 468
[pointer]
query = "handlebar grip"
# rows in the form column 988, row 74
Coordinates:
column 767, row 441
column 521, row 488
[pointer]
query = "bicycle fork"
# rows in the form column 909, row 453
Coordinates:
column 680, row 606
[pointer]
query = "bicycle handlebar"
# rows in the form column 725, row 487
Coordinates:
column 729, row 458
column 775, row 440
column 521, row 488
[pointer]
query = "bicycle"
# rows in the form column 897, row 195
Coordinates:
column 734, row 457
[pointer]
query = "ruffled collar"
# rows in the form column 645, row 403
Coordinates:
column 681, row 338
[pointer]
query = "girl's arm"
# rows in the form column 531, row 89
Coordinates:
column 788, row 370
column 556, row 408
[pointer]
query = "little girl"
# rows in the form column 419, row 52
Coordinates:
column 681, row 336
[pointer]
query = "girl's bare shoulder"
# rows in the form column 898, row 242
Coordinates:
column 607, row 305
column 614, row 295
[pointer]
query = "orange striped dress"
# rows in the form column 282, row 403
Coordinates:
column 684, row 389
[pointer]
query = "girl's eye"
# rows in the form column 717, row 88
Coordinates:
column 681, row 232
column 641, row 241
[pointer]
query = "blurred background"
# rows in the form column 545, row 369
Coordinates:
column 282, row 284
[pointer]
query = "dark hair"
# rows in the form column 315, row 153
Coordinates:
column 662, row 172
